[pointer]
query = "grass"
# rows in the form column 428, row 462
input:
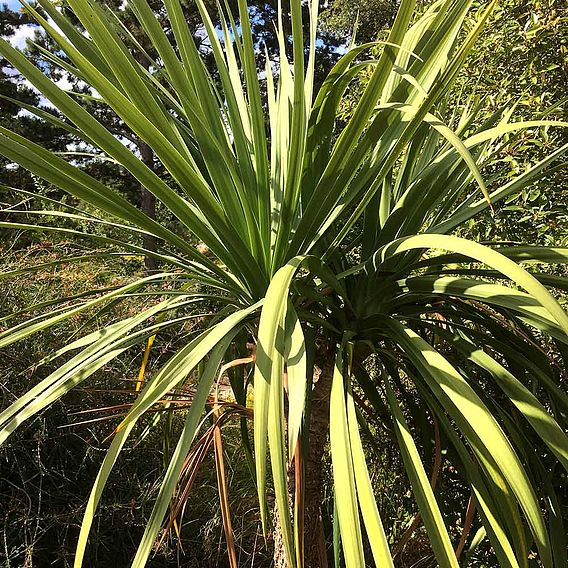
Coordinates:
column 48, row 466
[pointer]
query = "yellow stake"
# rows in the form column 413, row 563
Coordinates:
column 144, row 362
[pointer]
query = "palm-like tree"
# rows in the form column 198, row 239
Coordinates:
column 332, row 248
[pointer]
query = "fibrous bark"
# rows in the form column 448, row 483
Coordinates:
column 314, row 542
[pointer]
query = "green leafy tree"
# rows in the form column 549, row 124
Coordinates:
column 326, row 247
column 13, row 91
column 523, row 63
column 107, row 171
column 263, row 15
column 366, row 18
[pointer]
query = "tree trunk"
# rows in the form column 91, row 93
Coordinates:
column 315, row 555
column 148, row 206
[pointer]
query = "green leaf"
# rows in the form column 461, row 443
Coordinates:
column 177, row 369
column 343, row 474
column 297, row 369
column 365, row 495
column 167, row 488
column 482, row 431
column 425, row 498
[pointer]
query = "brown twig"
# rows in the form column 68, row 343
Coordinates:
column 196, row 456
column 468, row 523
column 222, row 484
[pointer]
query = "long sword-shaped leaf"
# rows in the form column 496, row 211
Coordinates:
column 425, row 498
column 365, row 494
column 270, row 357
column 177, row 369
column 479, row 426
column 544, row 425
column 492, row 510
column 205, row 382
column 479, row 253
column 343, row 475
column 296, row 368
column 25, row 329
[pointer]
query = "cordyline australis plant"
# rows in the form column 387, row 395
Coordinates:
column 331, row 247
